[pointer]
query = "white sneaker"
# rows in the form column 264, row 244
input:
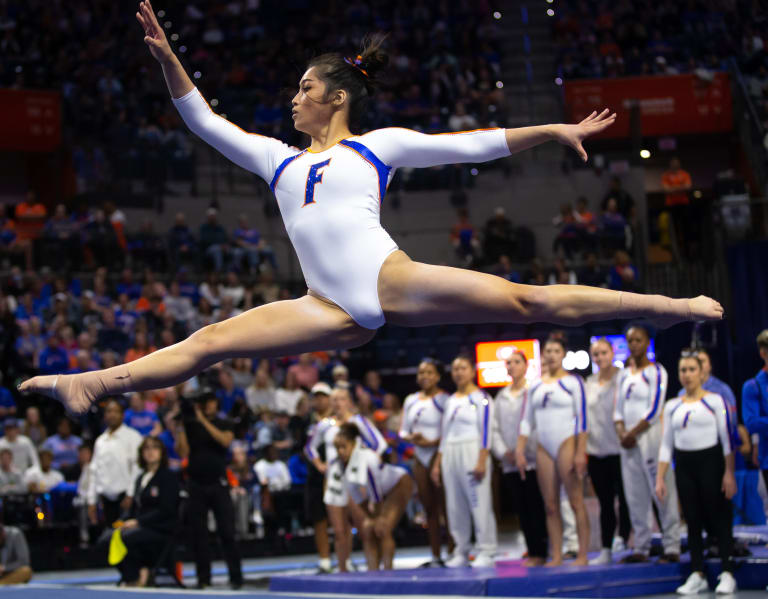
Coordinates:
column 618, row 545
column 457, row 561
column 484, row 560
column 602, row 559
column 695, row 584
column 727, row 584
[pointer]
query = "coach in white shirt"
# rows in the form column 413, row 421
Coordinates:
column 113, row 467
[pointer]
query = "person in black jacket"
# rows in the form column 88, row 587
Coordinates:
column 153, row 513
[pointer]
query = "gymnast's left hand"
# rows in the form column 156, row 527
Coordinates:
column 729, row 485
column 479, row 471
column 580, row 464
column 574, row 135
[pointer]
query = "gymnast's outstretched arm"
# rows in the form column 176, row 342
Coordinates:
column 256, row 153
column 398, row 147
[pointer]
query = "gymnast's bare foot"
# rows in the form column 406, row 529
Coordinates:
column 554, row 562
column 66, row 388
column 534, row 562
column 698, row 308
column 580, row 561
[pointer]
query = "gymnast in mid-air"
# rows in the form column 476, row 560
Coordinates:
column 329, row 196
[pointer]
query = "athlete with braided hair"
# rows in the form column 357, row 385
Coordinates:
column 329, row 195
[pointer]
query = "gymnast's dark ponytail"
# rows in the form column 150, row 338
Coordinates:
column 357, row 74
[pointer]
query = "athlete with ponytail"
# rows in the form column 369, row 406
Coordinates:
column 329, row 196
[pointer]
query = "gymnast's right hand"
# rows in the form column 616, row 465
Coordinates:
column 154, row 36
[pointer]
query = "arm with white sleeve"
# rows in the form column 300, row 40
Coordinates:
column 407, row 148
column 666, row 449
column 444, row 427
column 724, row 434
column 526, row 428
column 370, row 435
column 579, row 394
column 312, row 447
column 499, row 448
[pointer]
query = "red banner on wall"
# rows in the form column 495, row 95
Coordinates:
column 668, row 104
column 30, row 120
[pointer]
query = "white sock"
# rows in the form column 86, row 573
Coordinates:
column 325, row 563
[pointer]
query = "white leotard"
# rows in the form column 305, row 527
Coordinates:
column 557, row 410
column 367, row 471
column 640, row 395
column 423, row 416
column 509, row 407
column 330, row 201
column 691, row 426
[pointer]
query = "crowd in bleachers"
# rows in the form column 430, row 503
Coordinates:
column 244, row 54
column 631, row 38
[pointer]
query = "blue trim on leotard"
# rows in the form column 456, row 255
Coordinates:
column 485, row 421
column 373, row 443
column 655, row 406
column 437, row 404
column 381, row 168
column 281, row 168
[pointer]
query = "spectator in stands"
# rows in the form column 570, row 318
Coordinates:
column 214, row 241
column 305, row 371
column 261, row 394
column 623, row 275
column 181, row 243
column 24, row 451
column 14, row 556
column 592, row 273
column 101, row 241
column 505, row 270
column 32, row 427
column 498, row 236
column 153, row 515
column 139, row 418
column 282, row 436
column 10, row 244
column 245, row 497
column 242, row 372
column 249, row 243
column 147, row 247
column 62, row 239
column 80, row 502
column 677, row 184
column 7, row 404
column 267, row 289
column 53, row 359
column 140, row 347
column 30, row 217
column 587, row 223
column 177, row 305
column 754, row 404
column 205, row 439
column 613, row 227
column 128, row 285
column 91, row 315
column 210, row 289
column 113, row 467
column 561, row 274
column 43, row 478
column 203, row 315
column 464, row 239
column 233, row 289
column 228, row 394
column 65, row 448
column 568, row 239
column 287, row 396
column 340, row 375
column 29, row 344
column 625, row 204
column 11, row 480
column 370, row 392
column 111, row 337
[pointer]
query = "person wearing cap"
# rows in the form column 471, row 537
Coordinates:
column 24, row 451
column 754, row 405
column 314, row 507
column 340, row 374
column 214, row 240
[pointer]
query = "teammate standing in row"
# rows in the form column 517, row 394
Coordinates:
column 557, row 410
column 464, row 461
column 640, row 396
column 421, row 424
column 522, row 490
column 603, row 449
column 697, row 433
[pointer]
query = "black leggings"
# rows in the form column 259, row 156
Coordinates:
column 699, row 479
column 525, row 496
column 605, row 473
